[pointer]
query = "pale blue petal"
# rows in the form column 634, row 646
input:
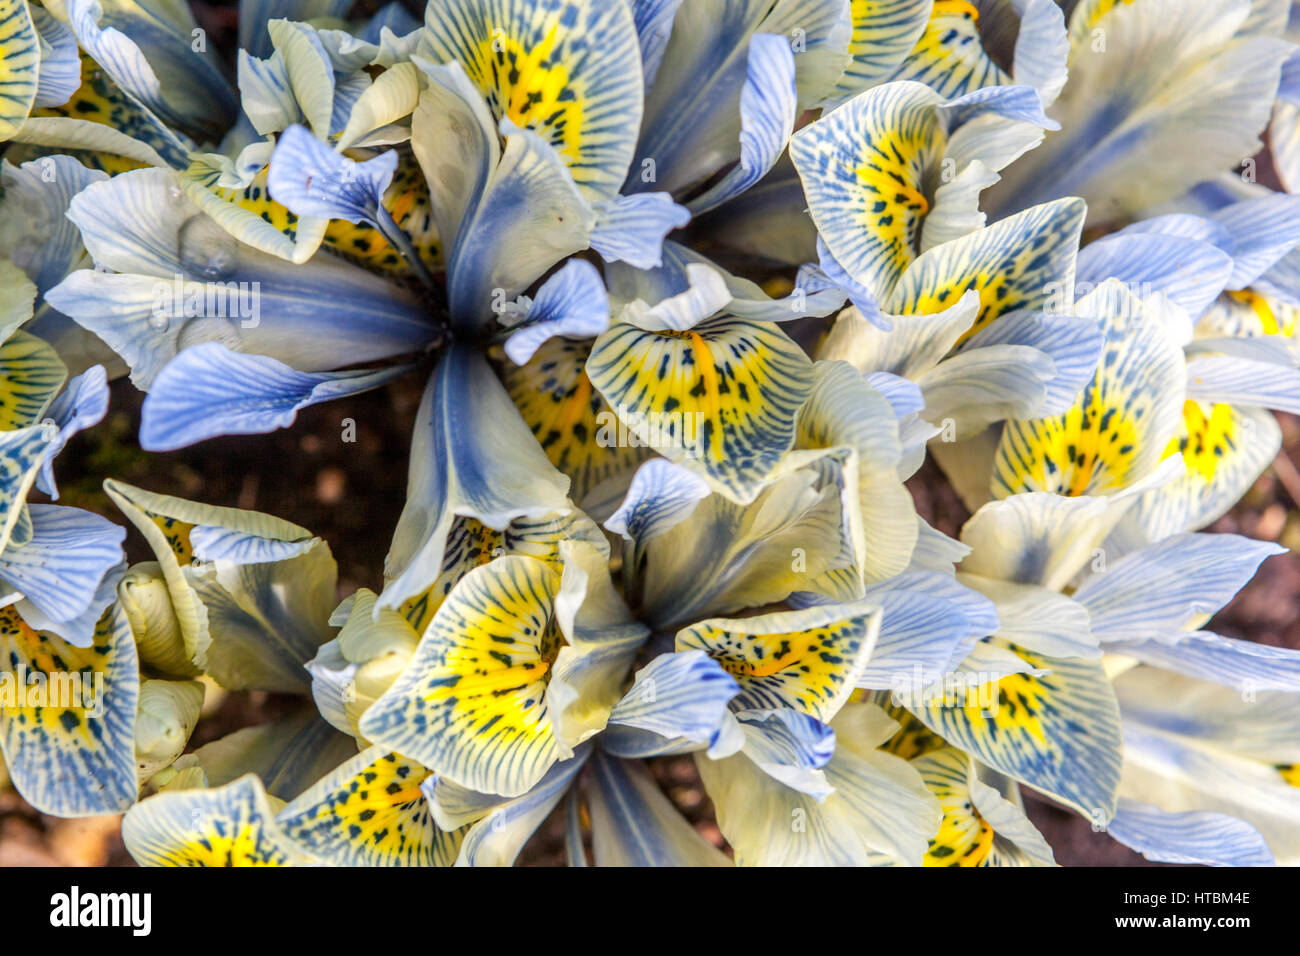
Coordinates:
column 677, row 695
column 631, row 229
column 768, row 109
column 209, row 390
column 661, row 496
column 1170, row 585
column 60, row 569
column 312, row 180
column 572, row 303
column 1239, row 381
column 1195, row 836
column 1224, row 660
column 634, row 824
column 83, row 403
column 1190, row 273
column 1263, row 231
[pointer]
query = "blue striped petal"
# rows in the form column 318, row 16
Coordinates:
column 255, row 14
column 884, row 32
column 183, row 280
column 676, row 696
column 1190, row 273
column 229, row 826
column 1171, row 585
column 60, row 59
column 476, row 460
column 1237, row 663
column 768, row 109
column 311, row 179
column 82, row 404
column 1263, row 231
column 209, row 390
column 1194, row 836
column 634, row 824
column 46, row 243
column 654, row 24
column 1073, row 343
column 1241, row 381
column 789, row 746
column 497, row 837
column 566, row 71
column 529, row 217
column 60, row 570
column 572, row 303
column 148, row 52
column 631, row 229
column 661, row 495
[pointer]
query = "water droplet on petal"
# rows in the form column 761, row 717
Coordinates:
column 206, row 250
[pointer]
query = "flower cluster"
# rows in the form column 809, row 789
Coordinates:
column 696, row 286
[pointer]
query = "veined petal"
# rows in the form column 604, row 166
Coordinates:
column 729, row 557
column 1173, row 79
column 966, row 837
column 60, row 570
column 370, row 812
column 1224, row 448
column 692, row 119
column 1188, row 837
column 265, row 621
column 572, row 303
column 1117, row 431
column 863, row 167
column 497, row 837
column 147, row 50
column 654, row 24
column 313, row 180
column 82, row 404
column 1022, row 262
column 1172, row 585
column 232, row 825
column 948, row 55
column 631, row 229
column 208, row 390
column 634, row 824
column 167, row 522
column 680, row 695
column 768, row 109
column 20, row 62
column 21, row 454
column 1237, row 663
column 661, row 496
column 475, row 461
column 532, row 202
column 1043, row 621
column 790, row 746
column 884, row 32
column 1232, row 380
column 720, row 398
column 30, row 376
column 569, row 72
column 844, row 412
column 472, row 703
column 1188, row 272
column 67, row 725
column 807, row 660
column 38, row 237
column 1057, row 731
column 185, row 280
